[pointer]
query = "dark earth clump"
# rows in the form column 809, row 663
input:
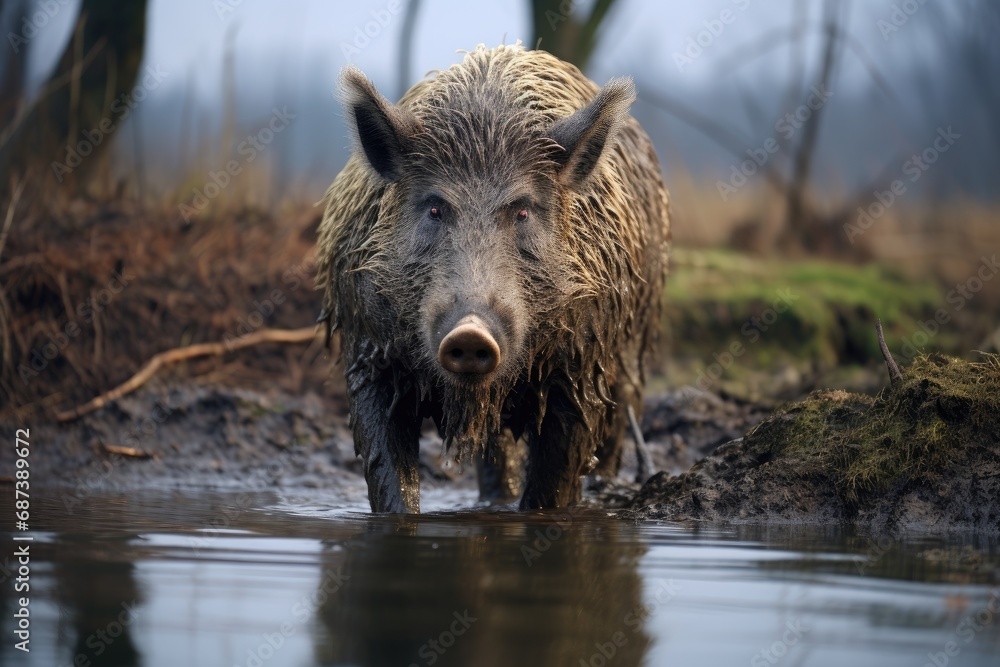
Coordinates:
column 925, row 453
column 685, row 425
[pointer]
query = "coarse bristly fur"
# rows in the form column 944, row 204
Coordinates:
column 573, row 295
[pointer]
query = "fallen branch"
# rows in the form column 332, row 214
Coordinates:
column 126, row 451
column 303, row 335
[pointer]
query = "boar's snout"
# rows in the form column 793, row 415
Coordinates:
column 469, row 348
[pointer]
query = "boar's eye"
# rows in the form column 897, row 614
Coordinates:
column 434, row 212
column 522, row 215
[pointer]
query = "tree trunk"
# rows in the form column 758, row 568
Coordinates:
column 82, row 104
column 562, row 34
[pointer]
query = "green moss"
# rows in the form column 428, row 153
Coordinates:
column 942, row 407
column 941, row 410
column 712, row 298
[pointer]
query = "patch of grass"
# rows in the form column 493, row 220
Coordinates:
column 942, row 407
column 814, row 316
column 942, row 411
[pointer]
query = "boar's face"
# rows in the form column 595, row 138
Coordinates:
column 473, row 249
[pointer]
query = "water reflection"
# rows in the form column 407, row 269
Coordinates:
column 217, row 580
column 98, row 598
column 415, row 595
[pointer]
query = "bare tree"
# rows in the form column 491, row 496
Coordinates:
column 806, row 227
column 99, row 64
column 560, row 32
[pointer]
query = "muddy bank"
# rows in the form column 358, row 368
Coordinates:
column 923, row 454
column 185, row 435
column 211, row 437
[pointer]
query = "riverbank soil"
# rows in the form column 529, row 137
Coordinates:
column 924, row 453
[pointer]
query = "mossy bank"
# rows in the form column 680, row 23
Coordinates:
column 924, row 453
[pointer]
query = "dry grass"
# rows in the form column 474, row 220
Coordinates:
column 96, row 290
column 944, row 240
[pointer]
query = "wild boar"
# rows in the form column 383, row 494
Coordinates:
column 493, row 257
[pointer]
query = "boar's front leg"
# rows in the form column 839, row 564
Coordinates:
column 388, row 443
column 556, row 455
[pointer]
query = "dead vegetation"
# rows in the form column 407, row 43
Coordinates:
column 93, row 291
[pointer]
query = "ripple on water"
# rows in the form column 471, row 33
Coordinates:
column 304, row 579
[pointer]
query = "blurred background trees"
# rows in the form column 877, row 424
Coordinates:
column 99, row 65
column 892, row 87
column 761, row 203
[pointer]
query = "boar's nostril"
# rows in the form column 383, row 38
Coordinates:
column 469, row 348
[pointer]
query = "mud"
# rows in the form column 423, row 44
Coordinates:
column 721, row 460
column 183, row 435
column 924, row 454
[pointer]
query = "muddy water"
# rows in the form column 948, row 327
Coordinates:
column 223, row 580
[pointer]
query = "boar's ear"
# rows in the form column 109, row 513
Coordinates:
column 381, row 128
column 584, row 134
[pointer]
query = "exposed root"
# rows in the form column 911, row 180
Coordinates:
column 303, row 335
